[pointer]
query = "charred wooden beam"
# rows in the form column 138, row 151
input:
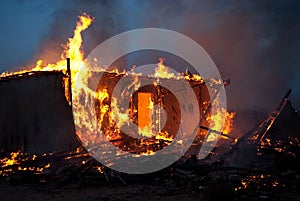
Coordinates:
column 286, row 96
column 217, row 132
column 274, row 116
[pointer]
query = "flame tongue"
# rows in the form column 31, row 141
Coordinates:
column 73, row 50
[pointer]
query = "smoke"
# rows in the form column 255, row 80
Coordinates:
column 254, row 43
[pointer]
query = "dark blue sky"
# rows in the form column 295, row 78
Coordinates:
column 24, row 24
column 255, row 43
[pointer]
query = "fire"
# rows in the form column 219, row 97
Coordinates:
column 13, row 160
column 116, row 115
column 216, row 123
column 72, row 49
column 161, row 71
column 145, row 108
column 229, row 121
column 102, row 96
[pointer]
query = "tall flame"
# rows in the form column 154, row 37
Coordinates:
column 72, row 49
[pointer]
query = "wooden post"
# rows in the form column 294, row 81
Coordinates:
column 70, row 78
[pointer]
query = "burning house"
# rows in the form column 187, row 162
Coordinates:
column 39, row 122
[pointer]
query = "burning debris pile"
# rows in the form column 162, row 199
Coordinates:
column 277, row 135
column 264, row 163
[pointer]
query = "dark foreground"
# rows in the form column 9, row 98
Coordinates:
column 188, row 181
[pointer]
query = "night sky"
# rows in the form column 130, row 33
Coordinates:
column 254, row 43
